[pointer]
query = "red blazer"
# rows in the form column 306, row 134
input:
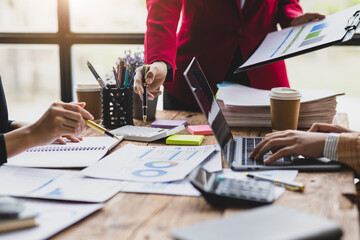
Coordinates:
column 211, row 30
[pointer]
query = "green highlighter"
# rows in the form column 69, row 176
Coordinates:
column 185, row 139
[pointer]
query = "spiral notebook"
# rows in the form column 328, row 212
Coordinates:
column 71, row 155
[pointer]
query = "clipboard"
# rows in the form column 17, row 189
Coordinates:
column 293, row 41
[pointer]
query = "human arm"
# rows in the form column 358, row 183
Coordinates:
column 329, row 128
column 155, row 77
column 19, row 124
column 310, row 144
column 60, row 119
column 160, row 44
column 291, row 14
column 348, row 151
column 290, row 142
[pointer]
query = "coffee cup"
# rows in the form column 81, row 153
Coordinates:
column 284, row 108
column 90, row 94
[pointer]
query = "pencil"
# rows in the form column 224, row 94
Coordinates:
column 126, row 77
column 96, row 75
column 121, row 72
column 100, row 129
column 116, row 78
column 293, row 186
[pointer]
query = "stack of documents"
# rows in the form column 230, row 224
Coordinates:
column 249, row 107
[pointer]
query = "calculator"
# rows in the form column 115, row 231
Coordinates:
column 222, row 191
column 145, row 134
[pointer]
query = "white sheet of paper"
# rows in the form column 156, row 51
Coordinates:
column 55, row 184
column 239, row 95
column 149, row 163
column 182, row 187
column 213, row 163
column 306, row 36
column 71, row 155
column 286, row 175
column 52, row 218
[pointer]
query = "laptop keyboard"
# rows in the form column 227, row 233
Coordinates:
column 248, row 144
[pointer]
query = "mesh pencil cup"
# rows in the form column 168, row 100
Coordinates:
column 117, row 107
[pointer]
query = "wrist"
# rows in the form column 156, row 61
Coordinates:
column 18, row 141
column 31, row 135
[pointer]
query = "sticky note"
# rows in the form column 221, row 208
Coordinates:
column 200, row 130
column 185, row 139
column 167, row 123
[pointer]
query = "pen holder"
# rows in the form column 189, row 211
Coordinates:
column 117, row 107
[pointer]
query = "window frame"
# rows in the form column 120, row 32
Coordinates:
column 65, row 39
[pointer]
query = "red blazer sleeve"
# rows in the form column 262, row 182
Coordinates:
column 288, row 10
column 160, row 37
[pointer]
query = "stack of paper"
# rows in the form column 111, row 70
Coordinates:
column 250, row 107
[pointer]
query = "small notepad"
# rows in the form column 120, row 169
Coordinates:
column 185, row 140
column 167, row 123
column 200, row 130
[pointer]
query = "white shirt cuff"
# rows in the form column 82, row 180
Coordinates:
column 331, row 145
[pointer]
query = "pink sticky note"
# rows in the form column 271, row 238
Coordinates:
column 200, row 130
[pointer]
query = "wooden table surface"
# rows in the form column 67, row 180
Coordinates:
column 150, row 216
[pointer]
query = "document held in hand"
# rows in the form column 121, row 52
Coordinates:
column 292, row 41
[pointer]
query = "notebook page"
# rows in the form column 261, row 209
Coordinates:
column 71, row 155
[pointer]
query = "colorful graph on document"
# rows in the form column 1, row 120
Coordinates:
column 315, row 36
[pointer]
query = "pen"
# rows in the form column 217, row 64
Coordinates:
column 100, row 129
column 96, row 75
column 116, row 78
column 144, row 102
column 293, row 186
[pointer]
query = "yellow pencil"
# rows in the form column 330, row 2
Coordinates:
column 100, row 129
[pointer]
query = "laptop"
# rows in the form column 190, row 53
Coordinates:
column 236, row 150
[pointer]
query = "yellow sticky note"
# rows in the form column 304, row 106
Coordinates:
column 185, row 139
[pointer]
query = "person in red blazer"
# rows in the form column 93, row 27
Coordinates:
column 220, row 34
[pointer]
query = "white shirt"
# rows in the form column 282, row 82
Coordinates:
column 242, row 2
column 331, row 145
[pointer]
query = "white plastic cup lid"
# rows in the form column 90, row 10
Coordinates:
column 283, row 93
column 87, row 87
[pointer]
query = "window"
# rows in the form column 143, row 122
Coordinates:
column 333, row 68
column 44, row 45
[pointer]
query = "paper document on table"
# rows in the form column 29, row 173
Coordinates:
column 240, row 95
column 250, row 107
column 52, row 218
column 285, row 175
column 55, row 184
column 301, row 39
column 149, row 163
column 181, row 187
column 71, row 155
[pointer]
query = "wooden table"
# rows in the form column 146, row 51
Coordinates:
column 149, row 216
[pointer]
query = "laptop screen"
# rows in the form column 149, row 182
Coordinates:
column 207, row 102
